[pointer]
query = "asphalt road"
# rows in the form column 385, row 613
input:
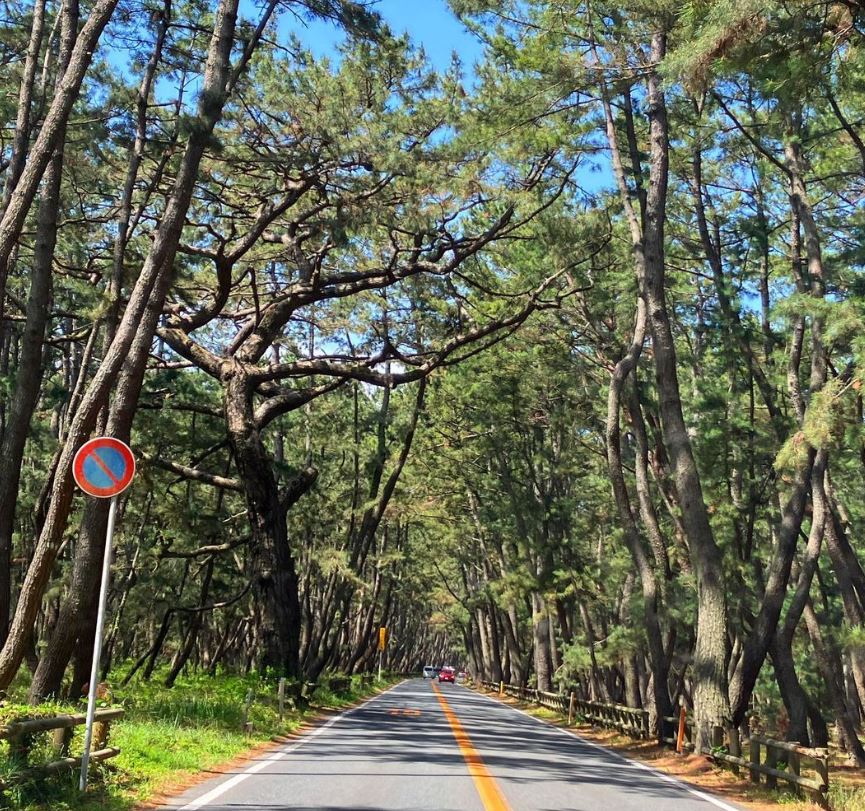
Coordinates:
column 425, row 747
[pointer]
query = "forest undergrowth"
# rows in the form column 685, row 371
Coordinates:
column 166, row 738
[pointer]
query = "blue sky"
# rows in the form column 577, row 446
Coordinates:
column 429, row 23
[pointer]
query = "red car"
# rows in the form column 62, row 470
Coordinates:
column 447, row 674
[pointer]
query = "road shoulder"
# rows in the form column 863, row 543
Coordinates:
column 168, row 794
column 694, row 772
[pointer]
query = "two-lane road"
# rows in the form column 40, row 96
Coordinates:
column 426, row 747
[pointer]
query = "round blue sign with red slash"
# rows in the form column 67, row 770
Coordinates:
column 103, row 467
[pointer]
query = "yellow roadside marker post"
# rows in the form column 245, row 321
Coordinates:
column 382, row 640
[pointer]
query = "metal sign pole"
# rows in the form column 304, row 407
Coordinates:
column 97, row 643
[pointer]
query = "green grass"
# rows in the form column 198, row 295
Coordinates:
column 846, row 798
column 165, row 737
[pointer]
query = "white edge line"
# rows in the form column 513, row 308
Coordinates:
column 213, row 794
column 639, row 764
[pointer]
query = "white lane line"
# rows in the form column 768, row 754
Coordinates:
column 632, row 763
column 213, row 794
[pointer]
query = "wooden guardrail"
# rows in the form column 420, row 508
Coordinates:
column 781, row 760
column 19, row 737
column 766, row 757
column 552, row 701
column 773, row 759
column 628, row 720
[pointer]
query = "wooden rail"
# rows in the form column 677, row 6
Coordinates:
column 781, row 760
column 19, row 737
column 631, row 721
column 628, row 720
column 764, row 756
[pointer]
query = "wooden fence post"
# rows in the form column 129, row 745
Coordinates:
column 754, row 746
column 60, row 741
column 734, row 744
column 247, row 705
column 771, row 760
column 795, row 766
column 821, row 766
column 100, row 734
column 281, row 695
column 19, row 750
column 717, row 737
column 501, row 689
column 571, row 707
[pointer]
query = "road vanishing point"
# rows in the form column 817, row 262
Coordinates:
column 421, row 746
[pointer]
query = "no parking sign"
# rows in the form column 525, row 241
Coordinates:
column 103, row 467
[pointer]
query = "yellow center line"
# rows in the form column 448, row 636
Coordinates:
column 490, row 794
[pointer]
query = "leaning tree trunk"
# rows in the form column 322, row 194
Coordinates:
column 76, row 623
column 145, row 300
column 779, row 568
column 23, row 118
column 50, row 135
column 195, row 623
column 834, row 684
column 645, row 225
column 661, row 706
column 29, row 375
column 799, row 706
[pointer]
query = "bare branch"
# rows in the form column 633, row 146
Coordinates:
column 194, row 474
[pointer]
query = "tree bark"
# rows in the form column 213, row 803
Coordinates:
column 50, row 135
column 275, row 581
column 711, row 703
column 541, row 638
column 76, row 622
column 30, row 361
column 139, row 321
column 25, row 101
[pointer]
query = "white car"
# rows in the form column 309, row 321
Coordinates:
column 429, row 672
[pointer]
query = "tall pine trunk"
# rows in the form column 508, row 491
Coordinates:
column 275, row 581
column 709, row 666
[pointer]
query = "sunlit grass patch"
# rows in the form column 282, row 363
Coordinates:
column 166, row 737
